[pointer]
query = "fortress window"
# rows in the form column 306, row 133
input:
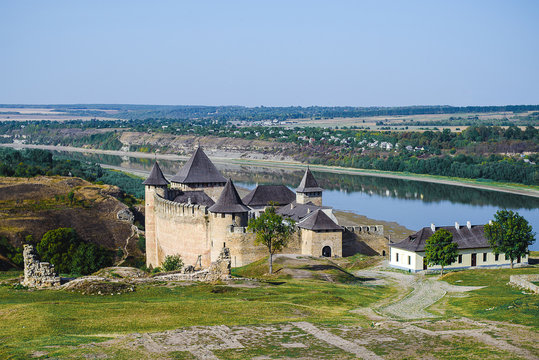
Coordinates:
column 409, row 260
column 397, row 257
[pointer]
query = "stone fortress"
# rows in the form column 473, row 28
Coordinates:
column 199, row 212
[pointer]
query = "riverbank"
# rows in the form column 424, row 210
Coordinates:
column 511, row 188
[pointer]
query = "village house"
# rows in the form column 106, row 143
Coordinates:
column 473, row 250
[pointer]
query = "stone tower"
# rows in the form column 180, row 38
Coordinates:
column 308, row 190
column 227, row 214
column 199, row 173
column 154, row 184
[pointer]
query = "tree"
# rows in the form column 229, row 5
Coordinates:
column 69, row 254
column 173, row 263
column 510, row 234
column 440, row 249
column 271, row 231
column 57, row 247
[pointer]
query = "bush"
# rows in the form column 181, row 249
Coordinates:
column 141, row 243
column 69, row 254
column 173, row 263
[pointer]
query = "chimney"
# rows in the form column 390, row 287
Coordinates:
column 457, row 226
column 469, row 225
column 433, row 227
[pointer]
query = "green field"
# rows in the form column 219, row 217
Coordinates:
column 57, row 323
column 35, row 320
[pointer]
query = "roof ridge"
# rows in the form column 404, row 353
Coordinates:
column 156, row 177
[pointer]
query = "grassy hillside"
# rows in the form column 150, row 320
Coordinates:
column 33, row 206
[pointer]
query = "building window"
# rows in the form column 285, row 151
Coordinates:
column 397, row 257
column 460, row 259
column 409, row 260
column 484, row 257
column 496, row 257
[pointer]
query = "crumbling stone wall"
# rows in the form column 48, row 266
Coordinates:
column 220, row 269
column 37, row 274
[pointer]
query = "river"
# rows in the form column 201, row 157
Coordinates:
column 413, row 204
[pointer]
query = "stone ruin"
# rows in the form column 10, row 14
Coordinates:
column 220, row 269
column 36, row 273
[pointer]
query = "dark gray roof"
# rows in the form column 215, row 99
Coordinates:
column 198, row 170
column 297, row 211
column 465, row 238
column 318, row 221
column 198, row 197
column 308, row 183
column 262, row 195
column 229, row 201
column 156, row 177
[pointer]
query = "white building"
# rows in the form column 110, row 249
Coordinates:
column 473, row 249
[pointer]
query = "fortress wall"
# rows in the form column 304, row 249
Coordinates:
column 182, row 229
column 312, row 242
column 367, row 240
column 243, row 250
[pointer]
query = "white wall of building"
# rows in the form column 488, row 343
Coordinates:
column 412, row 261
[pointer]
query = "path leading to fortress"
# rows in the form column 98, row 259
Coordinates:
column 423, row 292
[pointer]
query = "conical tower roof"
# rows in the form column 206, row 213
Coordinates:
column 308, row 183
column 319, row 221
column 156, row 177
column 198, row 170
column 229, row 201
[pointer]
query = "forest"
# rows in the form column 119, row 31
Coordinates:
column 242, row 113
column 34, row 162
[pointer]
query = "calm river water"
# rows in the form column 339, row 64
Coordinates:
column 414, row 204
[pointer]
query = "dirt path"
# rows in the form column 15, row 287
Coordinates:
column 424, row 293
column 528, row 191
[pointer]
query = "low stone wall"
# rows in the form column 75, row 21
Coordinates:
column 38, row 274
column 525, row 282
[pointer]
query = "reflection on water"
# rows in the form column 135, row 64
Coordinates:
column 413, row 204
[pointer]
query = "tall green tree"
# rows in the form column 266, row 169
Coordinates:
column 509, row 233
column 440, row 249
column 272, row 231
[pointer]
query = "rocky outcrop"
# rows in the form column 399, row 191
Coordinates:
column 126, row 215
column 38, row 274
column 525, row 282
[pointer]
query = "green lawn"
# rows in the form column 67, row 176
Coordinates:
column 35, row 320
column 497, row 300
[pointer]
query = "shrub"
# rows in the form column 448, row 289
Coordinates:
column 172, row 263
column 69, row 254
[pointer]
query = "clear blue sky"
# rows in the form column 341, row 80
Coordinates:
column 273, row 53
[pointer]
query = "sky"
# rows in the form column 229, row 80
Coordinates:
column 271, row 53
